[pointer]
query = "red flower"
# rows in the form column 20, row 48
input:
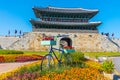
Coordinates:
column 68, row 47
column 48, row 38
column 2, row 59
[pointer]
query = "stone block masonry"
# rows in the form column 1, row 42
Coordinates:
column 85, row 42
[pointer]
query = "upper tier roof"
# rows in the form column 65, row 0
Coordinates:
column 64, row 10
column 41, row 10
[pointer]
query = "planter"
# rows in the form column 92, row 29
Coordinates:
column 87, row 57
column 96, row 60
column 69, row 50
column 48, row 42
column 101, row 59
column 109, row 75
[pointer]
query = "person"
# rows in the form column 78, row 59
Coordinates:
column 102, row 33
column 9, row 33
column 20, row 33
column 55, row 38
column 112, row 34
column 15, row 32
column 108, row 34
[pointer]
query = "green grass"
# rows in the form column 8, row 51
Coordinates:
column 98, row 54
column 7, row 52
column 35, row 52
column 38, row 52
column 90, row 54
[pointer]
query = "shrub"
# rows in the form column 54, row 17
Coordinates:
column 77, row 56
column 108, row 66
column 77, row 59
column 10, row 52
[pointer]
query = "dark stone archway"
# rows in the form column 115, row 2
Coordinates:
column 66, row 41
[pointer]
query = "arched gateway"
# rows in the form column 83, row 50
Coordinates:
column 66, row 41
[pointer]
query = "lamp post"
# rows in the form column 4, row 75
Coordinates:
column 75, row 36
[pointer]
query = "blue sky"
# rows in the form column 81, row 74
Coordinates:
column 15, row 14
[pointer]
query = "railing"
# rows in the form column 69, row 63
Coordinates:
column 113, row 42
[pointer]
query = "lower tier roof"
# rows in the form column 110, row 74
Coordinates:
column 64, row 30
column 65, row 23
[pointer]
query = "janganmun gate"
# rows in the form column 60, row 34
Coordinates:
column 73, row 24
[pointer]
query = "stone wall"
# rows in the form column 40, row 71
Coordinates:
column 87, row 42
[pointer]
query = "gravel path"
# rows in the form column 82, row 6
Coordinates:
column 6, row 67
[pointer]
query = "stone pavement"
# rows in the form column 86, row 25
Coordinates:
column 116, row 61
column 6, row 67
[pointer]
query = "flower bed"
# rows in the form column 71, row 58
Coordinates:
column 31, row 72
column 2, row 59
column 24, row 58
column 74, row 74
column 93, row 64
column 26, row 72
column 19, row 58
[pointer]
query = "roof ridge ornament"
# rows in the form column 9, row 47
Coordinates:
column 51, row 7
column 62, row 8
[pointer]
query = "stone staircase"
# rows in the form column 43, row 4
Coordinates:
column 7, row 41
column 116, row 40
column 116, row 43
column 109, row 45
column 23, row 43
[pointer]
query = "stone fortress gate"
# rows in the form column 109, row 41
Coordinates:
column 72, row 23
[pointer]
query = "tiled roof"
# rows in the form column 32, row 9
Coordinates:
column 64, row 10
column 65, row 23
